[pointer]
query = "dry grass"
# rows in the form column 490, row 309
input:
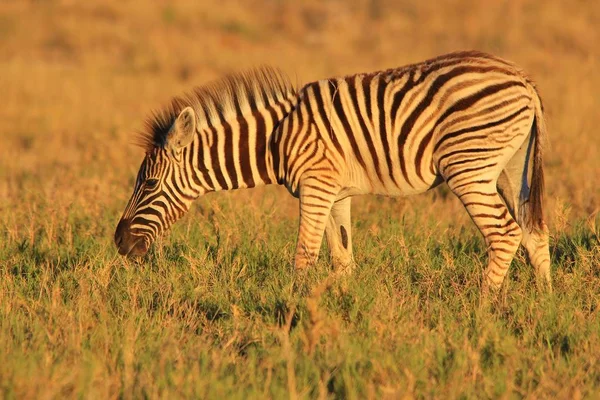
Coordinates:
column 211, row 312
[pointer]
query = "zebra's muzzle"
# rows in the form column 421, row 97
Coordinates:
column 127, row 243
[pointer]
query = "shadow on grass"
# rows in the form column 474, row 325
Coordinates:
column 566, row 248
column 30, row 259
column 278, row 311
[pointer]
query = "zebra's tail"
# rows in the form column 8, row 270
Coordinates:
column 535, row 218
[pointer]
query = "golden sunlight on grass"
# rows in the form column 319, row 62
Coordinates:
column 215, row 310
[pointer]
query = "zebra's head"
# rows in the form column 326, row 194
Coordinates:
column 161, row 194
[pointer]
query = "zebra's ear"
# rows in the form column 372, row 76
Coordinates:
column 182, row 131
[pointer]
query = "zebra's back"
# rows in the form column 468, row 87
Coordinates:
column 395, row 132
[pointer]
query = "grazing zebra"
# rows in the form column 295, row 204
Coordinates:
column 468, row 119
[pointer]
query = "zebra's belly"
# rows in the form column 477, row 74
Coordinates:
column 409, row 190
column 397, row 188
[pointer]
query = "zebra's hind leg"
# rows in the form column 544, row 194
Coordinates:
column 501, row 232
column 537, row 245
column 339, row 236
column 316, row 202
column 535, row 241
column 514, row 188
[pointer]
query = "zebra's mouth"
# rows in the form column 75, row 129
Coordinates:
column 129, row 244
column 136, row 249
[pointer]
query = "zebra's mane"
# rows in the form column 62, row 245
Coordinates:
column 222, row 100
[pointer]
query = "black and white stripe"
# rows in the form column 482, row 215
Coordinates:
column 469, row 119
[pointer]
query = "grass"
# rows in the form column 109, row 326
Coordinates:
column 215, row 310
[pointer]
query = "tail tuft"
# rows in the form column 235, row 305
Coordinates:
column 536, row 195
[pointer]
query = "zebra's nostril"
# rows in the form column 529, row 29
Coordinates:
column 121, row 232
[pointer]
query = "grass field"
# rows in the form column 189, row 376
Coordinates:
column 215, row 310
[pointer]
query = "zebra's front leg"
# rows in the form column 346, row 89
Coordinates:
column 339, row 236
column 316, row 202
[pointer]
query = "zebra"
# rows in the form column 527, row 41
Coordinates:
column 469, row 119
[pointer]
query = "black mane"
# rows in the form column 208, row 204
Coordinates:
column 219, row 101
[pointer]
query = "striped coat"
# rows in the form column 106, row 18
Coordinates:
column 468, row 119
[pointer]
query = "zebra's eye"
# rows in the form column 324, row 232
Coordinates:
column 151, row 183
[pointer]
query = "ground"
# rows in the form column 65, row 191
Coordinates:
column 215, row 310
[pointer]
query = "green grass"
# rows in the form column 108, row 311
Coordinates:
column 215, row 310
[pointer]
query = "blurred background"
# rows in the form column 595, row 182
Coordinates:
column 78, row 78
column 77, row 81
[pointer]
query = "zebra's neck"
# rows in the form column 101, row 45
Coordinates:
column 237, row 153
